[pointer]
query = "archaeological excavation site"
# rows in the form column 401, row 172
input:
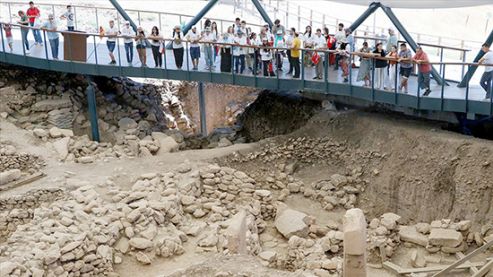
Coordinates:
column 261, row 183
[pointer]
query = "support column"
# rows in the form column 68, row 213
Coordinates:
column 472, row 69
column 93, row 114
column 371, row 9
column 262, row 12
column 123, row 13
column 354, row 225
column 202, row 111
column 388, row 11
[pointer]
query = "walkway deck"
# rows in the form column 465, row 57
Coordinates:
column 466, row 100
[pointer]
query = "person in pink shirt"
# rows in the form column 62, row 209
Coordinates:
column 424, row 70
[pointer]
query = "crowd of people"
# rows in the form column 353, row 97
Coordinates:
column 241, row 49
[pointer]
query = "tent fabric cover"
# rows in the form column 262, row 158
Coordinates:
column 420, row 4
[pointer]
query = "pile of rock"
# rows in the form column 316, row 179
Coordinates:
column 383, row 237
column 10, row 159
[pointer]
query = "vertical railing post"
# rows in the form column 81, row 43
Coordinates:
column 95, row 49
column 138, row 17
column 467, row 88
column 3, row 41
column 491, row 98
column 45, row 44
column 187, row 53
column 287, row 13
column 119, row 55
column 165, row 59
column 326, row 72
column 417, row 93
column 10, row 13
column 441, row 61
column 97, row 19
column 443, row 87
column 302, row 64
column 372, row 78
column 75, row 18
column 202, row 111
column 396, row 82
column 299, row 18
column 160, row 22
column 463, row 67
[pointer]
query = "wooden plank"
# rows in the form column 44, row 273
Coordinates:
column 465, row 259
column 484, row 269
column 400, row 270
column 27, row 180
column 461, row 255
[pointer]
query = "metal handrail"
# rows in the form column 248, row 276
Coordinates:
column 318, row 50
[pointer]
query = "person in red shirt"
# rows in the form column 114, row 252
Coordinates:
column 33, row 14
column 424, row 70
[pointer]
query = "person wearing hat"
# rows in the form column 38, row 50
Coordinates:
column 208, row 38
column 128, row 41
column 177, row 46
column 52, row 34
column 193, row 37
column 239, row 52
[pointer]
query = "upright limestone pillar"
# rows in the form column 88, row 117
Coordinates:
column 354, row 225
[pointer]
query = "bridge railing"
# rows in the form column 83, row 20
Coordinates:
column 312, row 74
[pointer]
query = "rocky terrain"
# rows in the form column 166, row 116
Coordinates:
column 152, row 199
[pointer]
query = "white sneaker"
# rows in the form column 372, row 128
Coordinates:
column 35, row 43
column 28, row 52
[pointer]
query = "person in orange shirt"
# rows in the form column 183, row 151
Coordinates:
column 424, row 70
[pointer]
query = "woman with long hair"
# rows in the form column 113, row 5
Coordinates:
column 308, row 43
column 215, row 33
column 156, row 42
column 178, row 46
column 228, row 37
column 365, row 65
column 140, row 42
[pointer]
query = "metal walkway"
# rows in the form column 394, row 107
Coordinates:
column 448, row 98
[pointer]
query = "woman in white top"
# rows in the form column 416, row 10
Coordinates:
column 266, row 56
column 308, row 43
column 178, row 46
column 215, row 32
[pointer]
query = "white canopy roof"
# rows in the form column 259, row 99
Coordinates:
column 420, row 4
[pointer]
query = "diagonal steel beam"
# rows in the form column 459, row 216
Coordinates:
column 473, row 69
column 371, row 9
column 262, row 12
column 123, row 13
column 388, row 11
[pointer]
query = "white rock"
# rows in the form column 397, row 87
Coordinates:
column 9, row 176
column 389, row 220
column 143, row 258
column 140, row 243
column 166, row 143
column 127, row 123
column 291, row 222
column 40, row 133
column 61, row 147
column 269, row 256
column 445, row 237
column 410, row 234
column 55, row 132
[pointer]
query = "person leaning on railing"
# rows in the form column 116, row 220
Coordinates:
column 177, row 46
column 111, row 34
column 295, row 54
column 51, row 27
column 424, row 70
column 364, row 65
column 194, row 37
column 157, row 47
column 406, row 66
column 24, row 21
column 487, row 78
column 128, row 35
column 140, row 44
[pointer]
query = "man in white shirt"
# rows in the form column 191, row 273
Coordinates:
column 239, row 52
column 69, row 16
column 340, row 37
column 487, row 78
column 193, row 37
column 111, row 33
column 319, row 43
column 128, row 34
column 208, row 51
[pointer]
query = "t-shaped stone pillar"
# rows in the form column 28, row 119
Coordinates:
column 354, row 224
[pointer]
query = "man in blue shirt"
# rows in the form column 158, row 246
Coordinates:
column 51, row 27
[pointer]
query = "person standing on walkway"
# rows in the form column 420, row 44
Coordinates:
column 253, row 53
column 289, row 43
column 343, row 54
column 194, row 37
column 239, row 52
column 308, row 43
column 392, row 73
column 215, row 33
column 295, row 55
column 391, row 40
column 24, row 22
column 319, row 43
column 69, row 16
column 365, row 65
column 228, row 38
column 278, row 27
column 380, row 66
column 156, row 46
column 279, row 42
column 487, row 78
column 111, row 34
column 209, row 39
column 140, row 44
column 178, row 46
column 128, row 40
column 8, row 36
column 424, row 70
column 34, row 14
column 406, row 67
column 51, row 27
column 266, row 56
column 340, row 37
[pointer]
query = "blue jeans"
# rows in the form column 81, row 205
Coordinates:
column 129, row 50
column 239, row 62
column 424, row 80
column 486, row 83
column 36, row 34
column 24, row 33
column 54, row 47
column 208, row 55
